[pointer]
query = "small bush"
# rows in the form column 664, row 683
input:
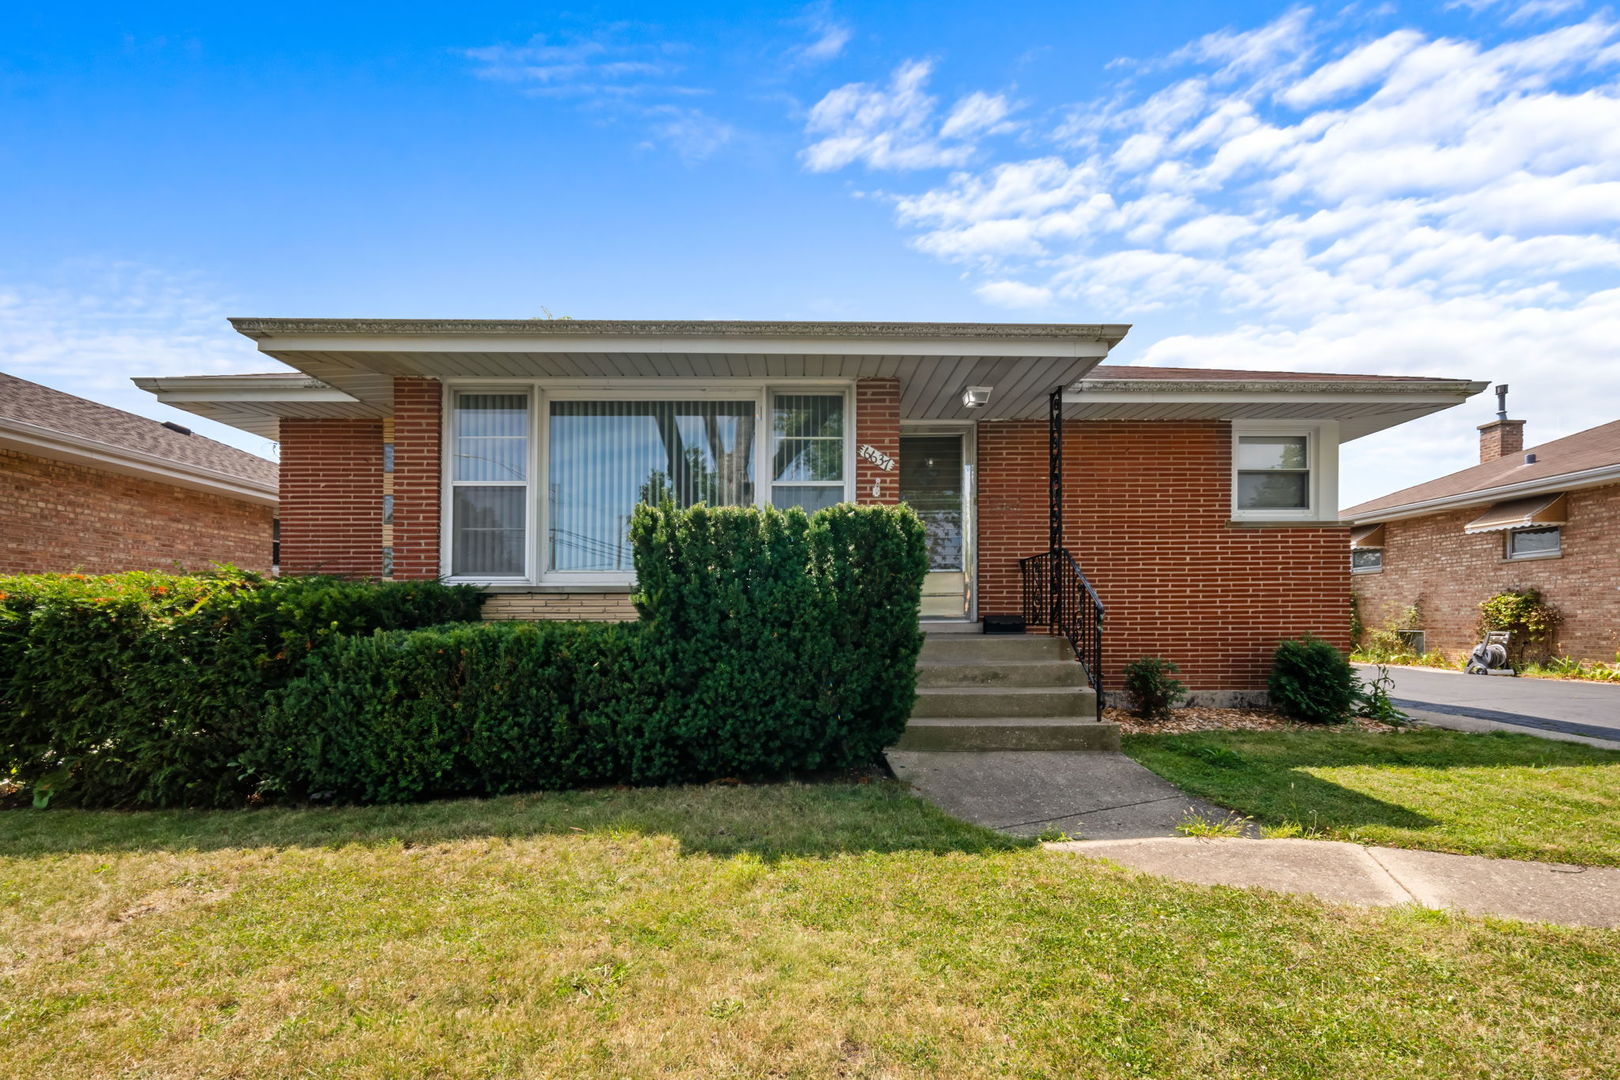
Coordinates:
column 1153, row 688
column 1312, row 681
column 1527, row 617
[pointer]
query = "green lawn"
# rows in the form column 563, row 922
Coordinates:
column 772, row 931
column 1505, row 795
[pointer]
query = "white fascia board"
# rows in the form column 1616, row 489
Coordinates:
column 1607, row 474
column 785, row 346
column 44, row 442
column 175, row 397
column 1427, row 396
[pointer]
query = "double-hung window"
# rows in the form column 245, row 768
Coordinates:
column 1284, row 473
column 489, row 485
column 543, row 482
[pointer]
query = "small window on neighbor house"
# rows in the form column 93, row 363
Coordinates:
column 1273, row 473
column 1366, row 560
column 1534, row 543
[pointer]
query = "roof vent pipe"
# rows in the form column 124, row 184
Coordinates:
column 1501, row 401
column 1529, row 459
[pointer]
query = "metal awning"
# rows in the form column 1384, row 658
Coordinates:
column 1367, row 536
column 1537, row 511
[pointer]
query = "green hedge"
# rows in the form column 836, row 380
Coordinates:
column 770, row 643
column 146, row 689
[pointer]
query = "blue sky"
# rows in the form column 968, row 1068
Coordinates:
column 1398, row 188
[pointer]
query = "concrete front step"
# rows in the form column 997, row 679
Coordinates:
column 1040, row 701
column 992, row 648
column 1008, row 733
column 1048, row 673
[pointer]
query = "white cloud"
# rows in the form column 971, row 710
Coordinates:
column 1520, row 11
column 828, row 35
column 91, row 326
column 1409, row 204
column 897, row 126
column 616, row 75
column 1014, row 294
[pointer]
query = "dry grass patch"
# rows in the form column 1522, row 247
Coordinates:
column 791, row 931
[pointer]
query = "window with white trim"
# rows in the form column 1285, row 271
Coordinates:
column 1544, row 543
column 1273, row 473
column 541, row 481
column 489, row 485
column 807, row 450
column 607, row 456
column 1285, row 472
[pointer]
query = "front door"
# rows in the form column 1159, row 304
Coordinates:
column 936, row 480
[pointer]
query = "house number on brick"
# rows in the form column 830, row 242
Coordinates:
column 876, row 457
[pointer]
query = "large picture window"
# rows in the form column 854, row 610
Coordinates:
column 541, row 480
column 607, row 456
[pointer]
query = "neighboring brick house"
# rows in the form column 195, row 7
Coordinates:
column 91, row 488
column 1546, row 518
column 1201, row 504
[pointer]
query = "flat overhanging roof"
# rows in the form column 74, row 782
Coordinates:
column 935, row 362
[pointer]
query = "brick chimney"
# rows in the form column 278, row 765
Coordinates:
column 1501, row 436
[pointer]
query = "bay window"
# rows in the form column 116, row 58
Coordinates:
column 542, row 482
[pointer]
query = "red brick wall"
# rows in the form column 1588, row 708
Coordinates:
column 877, row 424
column 1431, row 562
column 1147, row 508
column 58, row 517
column 418, row 419
column 331, row 497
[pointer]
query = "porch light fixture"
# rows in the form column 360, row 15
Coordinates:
column 976, row 397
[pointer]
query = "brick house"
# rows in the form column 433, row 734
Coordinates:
column 1201, row 505
column 1546, row 518
column 87, row 487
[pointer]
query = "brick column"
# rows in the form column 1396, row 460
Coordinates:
column 331, row 497
column 418, row 423
column 1499, row 438
column 877, row 424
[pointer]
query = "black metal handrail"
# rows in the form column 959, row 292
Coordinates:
column 1057, row 595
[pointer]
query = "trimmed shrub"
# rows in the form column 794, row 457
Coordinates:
column 1153, row 688
column 474, row 709
column 144, row 689
column 771, row 643
column 1313, row 682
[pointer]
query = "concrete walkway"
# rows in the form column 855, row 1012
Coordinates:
column 1379, row 876
column 1565, row 709
column 1089, row 793
column 1127, row 814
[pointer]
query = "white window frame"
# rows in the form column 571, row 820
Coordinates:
column 1531, row 556
column 542, row 392
column 448, row 483
column 1322, row 486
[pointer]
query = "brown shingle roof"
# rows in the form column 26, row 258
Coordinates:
column 1594, row 448
column 1129, row 371
column 25, row 402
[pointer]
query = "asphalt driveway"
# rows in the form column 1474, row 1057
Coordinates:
column 1588, row 711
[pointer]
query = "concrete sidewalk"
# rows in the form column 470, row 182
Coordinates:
column 1380, row 876
column 1095, row 794
column 1129, row 815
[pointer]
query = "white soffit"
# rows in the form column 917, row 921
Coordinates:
column 935, row 362
column 1360, row 408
